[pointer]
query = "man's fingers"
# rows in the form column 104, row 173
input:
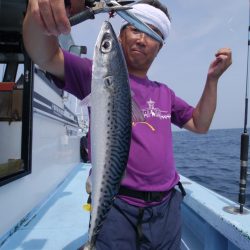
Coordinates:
column 60, row 16
column 225, row 55
column 224, row 51
column 33, row 8
column 53, row 15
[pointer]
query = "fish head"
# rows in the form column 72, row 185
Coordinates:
column 108, row 54
column 107, row 39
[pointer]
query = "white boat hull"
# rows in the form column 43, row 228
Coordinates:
column 55, row 152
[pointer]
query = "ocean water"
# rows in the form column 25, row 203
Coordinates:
column 212, row 160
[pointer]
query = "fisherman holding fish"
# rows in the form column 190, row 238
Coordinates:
column 145, row 213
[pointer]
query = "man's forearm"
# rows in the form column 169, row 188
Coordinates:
column 43, row 49
column 205, row 109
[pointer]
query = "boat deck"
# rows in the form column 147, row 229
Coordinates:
column 61, row 223
column 48, row 228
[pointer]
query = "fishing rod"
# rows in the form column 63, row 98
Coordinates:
column 244, row 139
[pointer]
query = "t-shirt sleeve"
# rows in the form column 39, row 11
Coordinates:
column 181, row 111
column 77, row 78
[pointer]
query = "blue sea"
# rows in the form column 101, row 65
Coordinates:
column 212, row 160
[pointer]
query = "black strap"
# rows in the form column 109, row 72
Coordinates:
column 148, row 196
column 139, row 233
column 89, row 199
column 183, row 192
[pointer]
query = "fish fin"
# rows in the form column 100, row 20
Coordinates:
column 109, row 82
column 86, row 101
column 137, row 115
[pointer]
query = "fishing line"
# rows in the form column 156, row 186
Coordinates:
column 244, row 137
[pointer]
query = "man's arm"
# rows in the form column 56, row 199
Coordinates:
column 44, row 21
column 204, row 111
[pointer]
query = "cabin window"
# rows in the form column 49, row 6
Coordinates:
column 16, row 89
column 16, row 93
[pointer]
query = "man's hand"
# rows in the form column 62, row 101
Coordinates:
column 52, row 16
column 222, row 61
column 43, row 22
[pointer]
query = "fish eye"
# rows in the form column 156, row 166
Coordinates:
column 106, row 45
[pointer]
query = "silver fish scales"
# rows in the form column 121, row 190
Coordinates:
column 110, row 126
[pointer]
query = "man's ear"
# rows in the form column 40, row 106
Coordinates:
column 120, row 37
column 160, row 47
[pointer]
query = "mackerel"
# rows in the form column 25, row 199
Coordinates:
column 110, row 126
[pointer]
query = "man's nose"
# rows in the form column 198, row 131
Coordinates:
column 142, row 37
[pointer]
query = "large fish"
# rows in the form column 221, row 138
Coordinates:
column 110, row 126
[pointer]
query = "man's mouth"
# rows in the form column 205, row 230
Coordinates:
column 138, row 51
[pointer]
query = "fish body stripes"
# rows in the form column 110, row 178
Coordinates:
column 110, row 126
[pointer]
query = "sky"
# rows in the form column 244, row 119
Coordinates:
column 199, row 29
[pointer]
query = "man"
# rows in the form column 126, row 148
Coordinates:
column 146, row 212
column 84, row 148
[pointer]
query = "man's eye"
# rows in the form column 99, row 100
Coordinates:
column 135, row 30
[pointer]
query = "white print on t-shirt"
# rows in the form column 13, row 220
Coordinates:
column 152, row 111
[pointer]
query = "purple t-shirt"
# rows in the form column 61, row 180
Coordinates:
column 151, row 165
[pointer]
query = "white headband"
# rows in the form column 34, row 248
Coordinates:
column 154, row 16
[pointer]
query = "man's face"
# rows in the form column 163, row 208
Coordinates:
column 139, row 49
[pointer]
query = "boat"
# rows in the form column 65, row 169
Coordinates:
column 42, row 179
column 40, row 125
